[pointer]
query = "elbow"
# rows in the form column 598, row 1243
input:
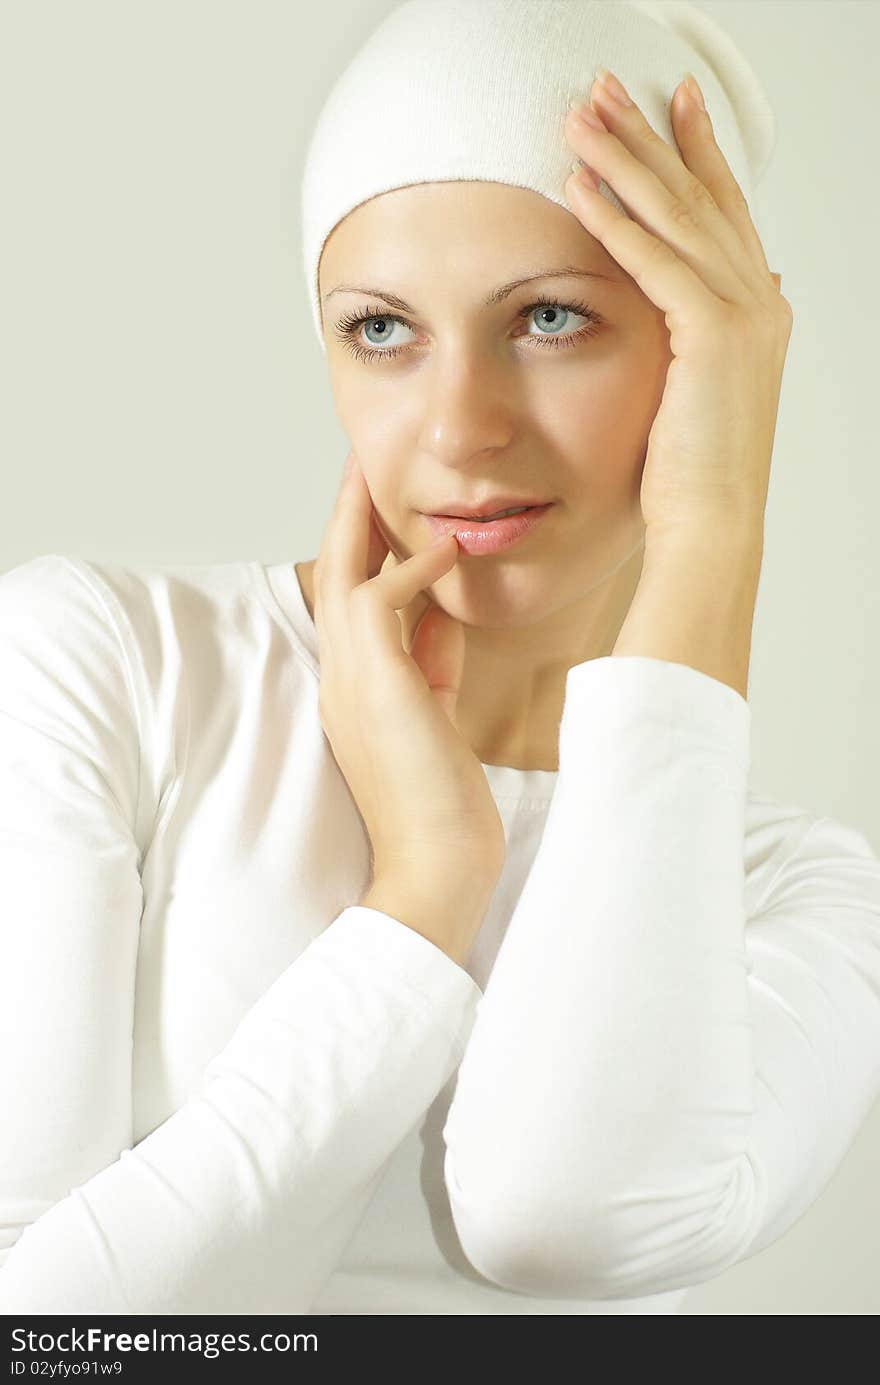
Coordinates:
column 622, row 1246
column 519, row 1242
column 583, row 1259
column 516, row 1258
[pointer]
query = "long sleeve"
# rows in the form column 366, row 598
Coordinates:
column 657, row 1086
column 243, row 1199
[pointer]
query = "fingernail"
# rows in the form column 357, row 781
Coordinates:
column 584, row 111
column 583, row 170
column 615, row 89
column 692, row 88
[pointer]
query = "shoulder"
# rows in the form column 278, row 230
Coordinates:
column 118, row 645
column 69, row 713
column 52, row 616
column 59, row 607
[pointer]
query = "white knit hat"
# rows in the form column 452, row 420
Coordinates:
column 479, row 89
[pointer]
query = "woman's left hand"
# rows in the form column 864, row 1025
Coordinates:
column 690, row 245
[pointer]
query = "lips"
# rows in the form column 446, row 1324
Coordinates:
column 487, row 508
column 476, row 537
column 487, row 519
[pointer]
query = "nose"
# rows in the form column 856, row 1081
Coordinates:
column 466, row 416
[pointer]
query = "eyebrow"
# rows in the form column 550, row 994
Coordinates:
column 497, row 294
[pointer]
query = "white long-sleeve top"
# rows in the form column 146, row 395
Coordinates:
column 227, row 1087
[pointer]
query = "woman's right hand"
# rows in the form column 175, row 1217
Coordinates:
column 390, row 715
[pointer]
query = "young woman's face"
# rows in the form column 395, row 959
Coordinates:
column 455, row 397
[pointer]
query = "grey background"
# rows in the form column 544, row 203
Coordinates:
column 165, row 401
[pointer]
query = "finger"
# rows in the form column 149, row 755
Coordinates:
column 380, row 547
column 438, row 647
column 345, row 544
column 352, row 549
column 704, row 179
column 695, row 137
column 329, row 607
column 661, row 274
column 376, row 628
column 650, row 202
column 683, row 178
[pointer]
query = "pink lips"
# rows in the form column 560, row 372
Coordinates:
column 493, row 535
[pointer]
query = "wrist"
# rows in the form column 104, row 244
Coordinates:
column 695, row 602
column 447, row 910
column 734, row 542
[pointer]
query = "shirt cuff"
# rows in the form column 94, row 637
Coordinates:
column 387, row 945
column 625, row 690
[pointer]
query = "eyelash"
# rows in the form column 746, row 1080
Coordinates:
column 348, row 325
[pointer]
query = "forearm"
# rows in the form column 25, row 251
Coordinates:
column 618, row 1008
column 695, row 604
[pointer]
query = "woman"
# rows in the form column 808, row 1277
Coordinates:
column 410, row 936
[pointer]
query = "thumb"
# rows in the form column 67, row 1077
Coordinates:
column 438, row 648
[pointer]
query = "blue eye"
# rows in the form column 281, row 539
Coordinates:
column 550, row 310
column 382, row 323
column 384, row 327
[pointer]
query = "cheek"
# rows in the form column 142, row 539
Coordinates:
column 379, row 425
column 602, row 418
